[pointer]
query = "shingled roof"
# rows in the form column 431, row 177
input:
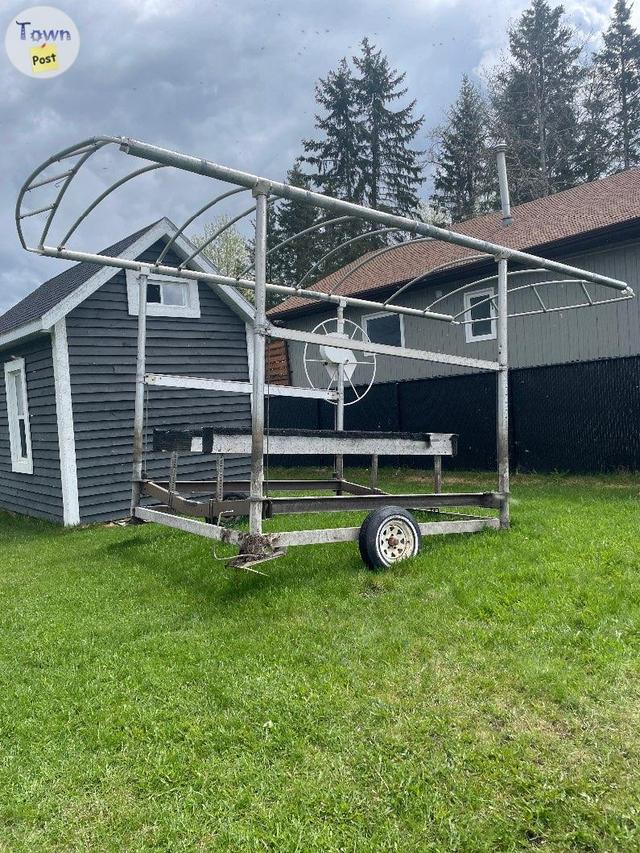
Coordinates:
column 49, row 294
column 572, row 213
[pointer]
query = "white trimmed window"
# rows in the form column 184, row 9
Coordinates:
column 384, row 328
column 480, row 315
column 15, row 382
column 167, row 296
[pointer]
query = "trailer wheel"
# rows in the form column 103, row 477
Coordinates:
column 388, row 535
column 362, row 538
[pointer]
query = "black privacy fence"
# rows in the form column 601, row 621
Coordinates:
column 578, row 417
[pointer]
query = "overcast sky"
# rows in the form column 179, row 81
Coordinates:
column 230, row 81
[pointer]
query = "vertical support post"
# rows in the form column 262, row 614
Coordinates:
column 373, row 473
column 219, row 477
column 437, row 474
column 503, row 395
column 339, row 463
column 173, row 471
column 138, row 410
column 258, row 379
column 173, row 476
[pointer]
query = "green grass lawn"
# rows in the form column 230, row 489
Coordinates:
column 483, row 696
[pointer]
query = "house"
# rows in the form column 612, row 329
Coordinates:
column 68, row 353
column 586, row 359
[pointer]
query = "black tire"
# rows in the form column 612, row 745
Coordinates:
column 362, row 538
column 388, row 535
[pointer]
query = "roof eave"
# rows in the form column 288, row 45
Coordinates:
column 22, row 333
column 576, row 241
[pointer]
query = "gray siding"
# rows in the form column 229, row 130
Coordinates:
column 102, row 354
column 40, row 493
column 581, row 335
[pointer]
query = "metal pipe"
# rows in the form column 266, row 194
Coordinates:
column 51, row 180
column 529, row 286
column 430, row 272
column 216, row 234
column 480, row 281
column 82, row 147
column 286, row 334
column 437, row 474
column 138, row 410
column 65, row 186
column 502, row 431
column 201, row 166
column 362, row 262
column 198, row 213
column 546, row 310
column 220, row 477
column 71, row 151
column 198, row 275
column 104, row 195
column 258, row 378
column 339, row 248
column 569, row 307
column 309, row 230
column 373, row 472
column 503, row 181
column 340, row 390
column 36, row 212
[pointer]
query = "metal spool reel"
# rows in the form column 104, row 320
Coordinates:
column 322, row 362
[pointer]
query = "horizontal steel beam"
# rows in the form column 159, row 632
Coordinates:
column 166, row 380
column 189, row 525
column 300, row 537
column 380, row 349
column 346, row 503
column 235, row 486
column 239, row 486
column 438, row 444
column 248, row 284
column 326, row 536
column 201, row 166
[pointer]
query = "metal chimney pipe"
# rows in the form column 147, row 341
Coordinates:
column 503, row 181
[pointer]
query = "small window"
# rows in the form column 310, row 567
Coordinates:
column 166, row 296
column 15, row 381
column 384, row 329
column 480, row 315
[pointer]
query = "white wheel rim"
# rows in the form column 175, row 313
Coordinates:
column 396, row 540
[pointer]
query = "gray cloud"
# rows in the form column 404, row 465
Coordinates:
column 232, row 81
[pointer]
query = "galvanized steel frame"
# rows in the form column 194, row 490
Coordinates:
column 266, row 192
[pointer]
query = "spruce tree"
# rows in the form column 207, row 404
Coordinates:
column 595, row 135
column 465, row 180
column 288, row 264
column 336, row 158
column 365, row 154
column 619, row 63
column 535, row 98
column 390, row 167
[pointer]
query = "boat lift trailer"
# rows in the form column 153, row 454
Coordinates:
column 205, row 517
column 226, row 499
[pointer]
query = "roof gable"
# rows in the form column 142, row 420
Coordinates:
column 48, row 295
column 47, row 304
